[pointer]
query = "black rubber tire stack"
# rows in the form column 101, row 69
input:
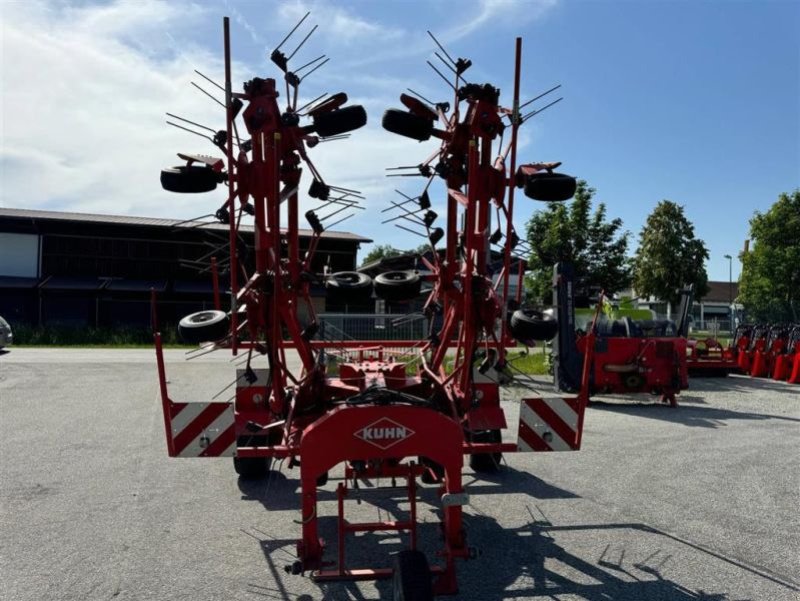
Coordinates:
column 349, row 286
column 398, row 285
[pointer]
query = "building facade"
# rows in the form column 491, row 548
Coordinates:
column 81, row 269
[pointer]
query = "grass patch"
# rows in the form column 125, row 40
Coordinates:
column 126, row 337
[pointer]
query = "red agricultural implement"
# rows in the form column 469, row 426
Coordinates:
column 786, row 362
column 709, row 358
column 623, row 356
column 381, row 416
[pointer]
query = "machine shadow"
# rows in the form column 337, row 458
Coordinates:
column 687, row 415
column 528, row 562
column 742, row 383
column 532, row 556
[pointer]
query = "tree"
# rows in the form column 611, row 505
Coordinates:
column 379, row 251
column 669, row 257
column 597, row 248
column 770, row 283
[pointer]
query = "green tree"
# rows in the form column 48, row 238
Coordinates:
column 669, row 256
column 596, row 247
column 770, row 283
column 380, row 251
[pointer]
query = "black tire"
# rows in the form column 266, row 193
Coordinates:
column 398, row 285
column 527, row 324
column 434, row 472
column 203, row 326
column 412, row 577
column 349, row 285
column 252, row 468
column 340, row 121
column 486, row 463
column 551, row 187
column 407, row 124
column 190, row 179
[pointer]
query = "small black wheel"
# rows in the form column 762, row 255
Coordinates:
column 434, row 472
column 407, row 124
column 398, row 285
column 252, row 468
column 340, row 121
column 527, row 324
column 551, row 187
column 190, row 179
column 203, row 326
column 350, row 285
column 412, row 577
column 486, row 463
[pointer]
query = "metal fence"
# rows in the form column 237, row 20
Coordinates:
column 338, row 327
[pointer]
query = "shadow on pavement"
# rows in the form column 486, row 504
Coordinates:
column 687, row 415
column 530, row 562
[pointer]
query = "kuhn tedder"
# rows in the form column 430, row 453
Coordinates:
column 380, row 416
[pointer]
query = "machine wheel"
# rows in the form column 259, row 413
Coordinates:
column 412, row 577
column 551, row 187
column 189, row 179
column 349, row 284
column 203, row 326
column 527, row 324
column 434, row 472
column 407, row 124
column 340, row 121
column 398, row 285
column 486, row 463
column 252, row 468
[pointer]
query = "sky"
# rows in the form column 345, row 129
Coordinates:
column 697, row 101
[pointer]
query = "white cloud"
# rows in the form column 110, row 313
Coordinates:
column 85, row 91
column 498, row 12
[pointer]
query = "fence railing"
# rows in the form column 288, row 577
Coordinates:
column 337, row 327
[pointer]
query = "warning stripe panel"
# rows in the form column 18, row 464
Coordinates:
column 203, row 429
column 548, row 424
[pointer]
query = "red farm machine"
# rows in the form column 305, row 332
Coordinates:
column 378, row 415
column 760, row 351
column 622, row 356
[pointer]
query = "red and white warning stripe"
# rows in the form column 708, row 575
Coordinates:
column 202, row 430
column 548, row 424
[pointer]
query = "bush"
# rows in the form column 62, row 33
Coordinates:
column 61, row 335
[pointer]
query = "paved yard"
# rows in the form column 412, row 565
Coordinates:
column 699, row 502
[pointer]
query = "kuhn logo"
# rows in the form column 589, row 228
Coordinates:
column 384, row 433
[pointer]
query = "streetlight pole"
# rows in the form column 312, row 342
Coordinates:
column 730, row 290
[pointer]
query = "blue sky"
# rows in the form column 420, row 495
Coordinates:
column 696, row 102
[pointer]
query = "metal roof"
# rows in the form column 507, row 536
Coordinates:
column 149, row 222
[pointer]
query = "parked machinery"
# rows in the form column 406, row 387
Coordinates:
column 709, row 358
column 382, row 417
column 624, row 356
column 787, row 362
column 756, row 341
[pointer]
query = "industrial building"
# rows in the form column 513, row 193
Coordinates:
column 80, row 269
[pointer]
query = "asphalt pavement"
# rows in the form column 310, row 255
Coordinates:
column 694, row 503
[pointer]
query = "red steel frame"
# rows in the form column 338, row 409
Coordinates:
column 313, row 417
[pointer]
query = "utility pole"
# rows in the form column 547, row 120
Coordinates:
column 730, row 290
